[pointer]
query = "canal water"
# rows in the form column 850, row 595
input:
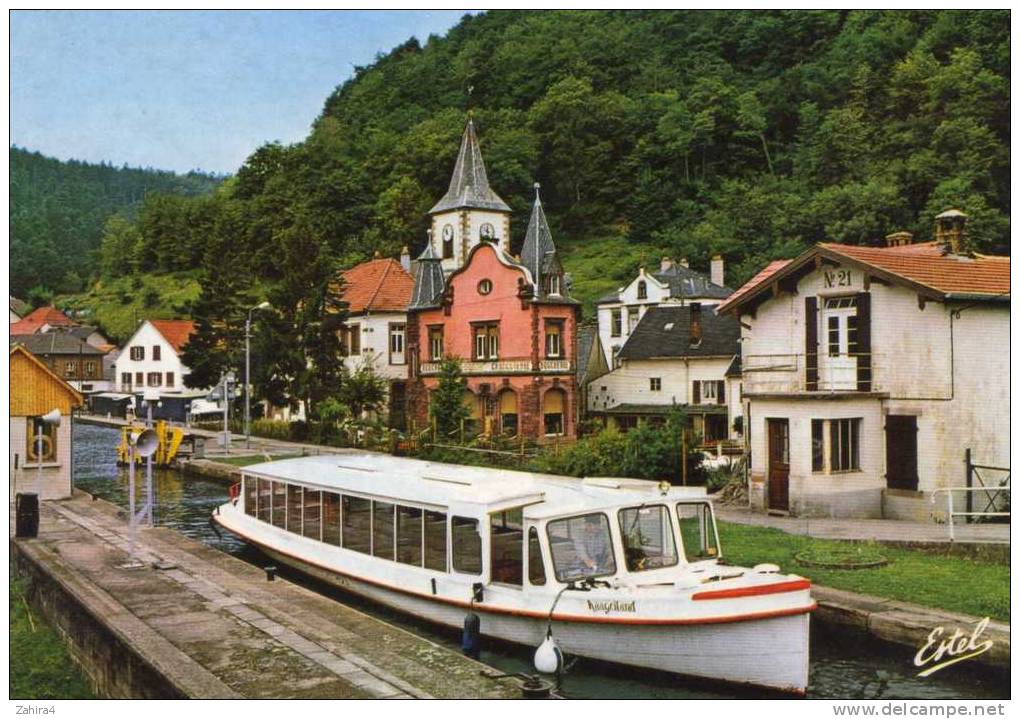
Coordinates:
column 844, row 664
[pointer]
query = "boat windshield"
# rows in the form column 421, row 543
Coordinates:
column 647, row 538
column 697, row 530
column 581, row 547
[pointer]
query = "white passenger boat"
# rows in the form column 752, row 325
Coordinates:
column 619, row 570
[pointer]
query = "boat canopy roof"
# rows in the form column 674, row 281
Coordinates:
column 468, row 490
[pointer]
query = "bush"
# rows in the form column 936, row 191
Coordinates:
column 271, row 428
column 645, row 452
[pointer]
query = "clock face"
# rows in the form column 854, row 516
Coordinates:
column 447, row 233
column 487, row 231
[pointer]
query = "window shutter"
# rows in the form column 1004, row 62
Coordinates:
column 864, row 342
column 720, row 392
column 697, row 391
column 811, row 344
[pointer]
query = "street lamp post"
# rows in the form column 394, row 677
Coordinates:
column 247, row 373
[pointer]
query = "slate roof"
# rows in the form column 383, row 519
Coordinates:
column 82, row 332
column 538, row 253
column 429, row 282
column 37, row 318
column 381, row 285
column 923, row 267
column 683, row 283
column 586, row 335
column 689, row 284
column 54, row 343
column 176, row 332
column 469, row 185
column 664, row 332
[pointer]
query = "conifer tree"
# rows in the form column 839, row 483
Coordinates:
column 446, row 407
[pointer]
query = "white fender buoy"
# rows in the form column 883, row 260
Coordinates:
column 548, row 657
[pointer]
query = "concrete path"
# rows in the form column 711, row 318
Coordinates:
column 879, row 530
column 213, row 627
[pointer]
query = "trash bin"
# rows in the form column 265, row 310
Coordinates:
column 26, row 511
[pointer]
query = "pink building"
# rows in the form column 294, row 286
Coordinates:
column 510, row 321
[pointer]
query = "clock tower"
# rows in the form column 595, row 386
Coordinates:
column 470, row 212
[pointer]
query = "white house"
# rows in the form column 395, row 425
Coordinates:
column 152, row 357
column 377, row 293
column 36, row 447
column 869, row 371
column 675, row 283
column 676, row 356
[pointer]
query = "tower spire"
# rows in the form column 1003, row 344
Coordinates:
column 538, row 253
column 469, row 185
column 429, row 282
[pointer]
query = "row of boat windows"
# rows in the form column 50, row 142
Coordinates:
column 409, row 535
column 579, row 546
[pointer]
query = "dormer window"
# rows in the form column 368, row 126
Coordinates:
column 553, row 285
column 642, row 290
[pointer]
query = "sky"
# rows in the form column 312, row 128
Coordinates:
column 183, row 90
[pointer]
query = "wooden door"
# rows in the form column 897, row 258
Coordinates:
column 901, row 452
column 779, row 463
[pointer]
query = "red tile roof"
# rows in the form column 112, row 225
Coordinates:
column 922, row 266
column 734, row 299
column 377, row 286
column 176, row 332
column 37, row 318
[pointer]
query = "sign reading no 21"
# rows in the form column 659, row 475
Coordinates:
column 838, row 278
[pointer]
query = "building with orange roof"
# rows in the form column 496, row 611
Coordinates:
column 377, row 293
column 869, row 373
column 151, row 358
column 36, row 390
column 41, row 320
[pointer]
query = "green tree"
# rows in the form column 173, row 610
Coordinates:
column 446, row 403
column 362, row 390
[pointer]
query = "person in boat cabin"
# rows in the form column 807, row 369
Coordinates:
column 592, row 546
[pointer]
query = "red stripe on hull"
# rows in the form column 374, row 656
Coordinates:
column 749, row 616
column 777, row 588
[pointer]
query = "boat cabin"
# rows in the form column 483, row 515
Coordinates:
column 499, row 527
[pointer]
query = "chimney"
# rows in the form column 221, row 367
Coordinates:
column 717, row 271
column 684, row 263
column 666, row 264
column 405, row 258
column 950, row 232
column 899, row 239
column 695, row 332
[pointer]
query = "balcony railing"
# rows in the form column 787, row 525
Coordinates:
column 787, row 373
column 512, row 365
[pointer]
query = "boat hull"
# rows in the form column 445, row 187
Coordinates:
column 769, row 652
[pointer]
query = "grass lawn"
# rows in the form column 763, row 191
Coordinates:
column 253, row 459
column 951, row 583
column 40, row 665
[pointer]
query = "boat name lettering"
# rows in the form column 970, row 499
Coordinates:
column 944, row 651
column 611, row 605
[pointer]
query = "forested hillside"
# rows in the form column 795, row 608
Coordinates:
column 750, row 134
column 58, row 209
